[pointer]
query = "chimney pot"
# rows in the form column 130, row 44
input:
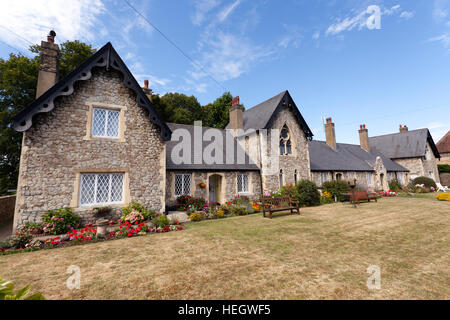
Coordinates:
column 146, row 84
column 49, row 64
column 235, row 101
column 330, row 134
column 364, row 138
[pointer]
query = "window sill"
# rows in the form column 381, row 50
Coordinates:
column 90, row 207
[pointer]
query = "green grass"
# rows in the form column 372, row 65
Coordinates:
column 322, row 254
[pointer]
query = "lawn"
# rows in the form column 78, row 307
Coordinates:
column 322, row 254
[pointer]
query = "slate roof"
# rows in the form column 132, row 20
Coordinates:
column 409, row 144
column 106, row 57
column 249, row 165
column 262, row 115
column 443, row 145
column 346, row 157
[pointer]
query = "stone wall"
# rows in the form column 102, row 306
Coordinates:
column 445, row 178
column 298, row 160
column 56, row 149
column 445, row 158
column 228, row 188
column 421, row 166
column 7, row 204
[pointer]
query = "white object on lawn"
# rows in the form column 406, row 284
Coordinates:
column 442, row 188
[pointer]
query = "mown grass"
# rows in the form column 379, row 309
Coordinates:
column 322, row 254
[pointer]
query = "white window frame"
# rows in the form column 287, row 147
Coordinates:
column 105, row 135
column 110, row 174
column 244, row 177
column 183, row 182
column 369, row 179
column 323, row 177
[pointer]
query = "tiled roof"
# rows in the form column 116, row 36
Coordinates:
column 444, row 144
column 346, row 157
column 408, row 144
column 249, row 165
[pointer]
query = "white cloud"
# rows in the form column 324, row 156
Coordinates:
column 316, row 35
column 440, row 10
column 392, row 10
column 444, row 39
column 292, row 37
column 348, row 24
column 359, row 20
column 407, row 15
column 228, row 56
column 223, row 15
column 202, row 8
column 32, row 20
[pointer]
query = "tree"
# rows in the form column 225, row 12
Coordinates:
column 217, row 113
column 178, row 108
column 18, row 80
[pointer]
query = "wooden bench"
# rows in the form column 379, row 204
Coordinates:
column 271, row 205
column 362, row 195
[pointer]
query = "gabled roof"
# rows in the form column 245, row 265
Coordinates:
column 408, row 144
column 346, row 157
column 249, row 164
column 262, row 115
column 105, row 57
column 443, row 145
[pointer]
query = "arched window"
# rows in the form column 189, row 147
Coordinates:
column 285, row 141
column 281, row 178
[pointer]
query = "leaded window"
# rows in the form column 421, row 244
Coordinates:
column 285, row 141
column 324, row 177
column 105, row 123
column 369, row 179
column 281, row 179
column 101, row 188
column 295, row 176
column 242, row 183
column 182, row 185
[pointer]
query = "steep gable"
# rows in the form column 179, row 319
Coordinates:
column 105, row 57
column 262, row 115
column 443, row 145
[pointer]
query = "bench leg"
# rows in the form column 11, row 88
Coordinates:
column 270, row 215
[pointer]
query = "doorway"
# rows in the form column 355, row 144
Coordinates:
column 215, row 188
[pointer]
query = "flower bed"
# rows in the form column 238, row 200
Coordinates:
column 443, row 197
column 389, row 193
column 88, row 234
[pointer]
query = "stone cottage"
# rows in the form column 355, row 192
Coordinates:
column 443, row 147
column 339, row 161
column 414, row 150
column 95, row 139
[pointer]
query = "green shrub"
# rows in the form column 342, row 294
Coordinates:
column 60, row 221
column 239, row 211
column 7, row 292
column 146, row 214
column 307, row 193
column 444, row 168
column 20, row 239
column 427, row 182
column 395, row 186
column 5, row 244
column 337, row 188
column 161, row 221
column 185, row 201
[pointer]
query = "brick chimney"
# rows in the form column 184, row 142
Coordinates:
column 330, row 133
column 236, row 115
column 147, row 90
column 364, row 137
column 403, row 129
column 48, row 68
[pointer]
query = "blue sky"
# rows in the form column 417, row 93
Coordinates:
column 321, row 51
